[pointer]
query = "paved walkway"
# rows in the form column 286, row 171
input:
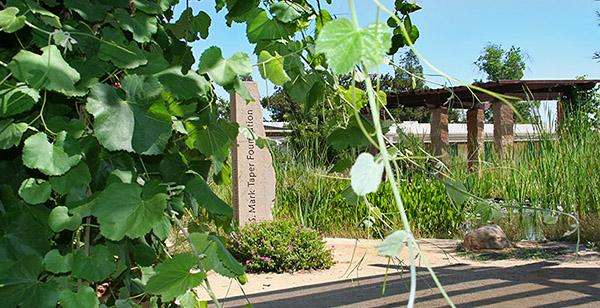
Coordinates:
column 504, row 283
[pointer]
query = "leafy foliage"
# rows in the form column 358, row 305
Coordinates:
column 108, row 135
column 97, row 102
column 280, row 246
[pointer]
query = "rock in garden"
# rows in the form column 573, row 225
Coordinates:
column 486, row 237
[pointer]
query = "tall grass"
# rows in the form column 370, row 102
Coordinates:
column 557, row 173
column 311, row 195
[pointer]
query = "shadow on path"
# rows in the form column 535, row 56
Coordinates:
column 531, row 285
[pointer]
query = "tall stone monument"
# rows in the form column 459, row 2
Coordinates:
column 253, row 173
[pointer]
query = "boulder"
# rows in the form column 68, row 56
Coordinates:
column 489, row 237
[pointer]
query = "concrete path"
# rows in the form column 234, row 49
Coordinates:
column 503, row 283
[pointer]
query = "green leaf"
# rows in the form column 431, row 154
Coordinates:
column 213, row 138
column 224, row 72
column 92, row 11
column 60, row 220
column 323, row 18
column 11, row 133
column 406, row 7
column 35, row 191
column 133, row 124
column 175, row 276
column 286, row 11
column 23, row 232
column 188, row 26
column 238, row 10
column 185, row 86
column 128, row 209
column 9, row 21
column 355, row 97
column 216, row 255
column 260, row 27
column 50, row 159
column 84, row 298
column 20, row 287
column 46, row 16
column 78, row 176
column 457, row 191
column 140, row 25
column 56, row 263
column 199, row 189
column 95, row 267
column 346, row 46
column 392, row 245
column 271, row 67
column 118, row 50
column 365, row 174
column 188, row 300
column 46, row 71
column 17, row 100
column 151, row 7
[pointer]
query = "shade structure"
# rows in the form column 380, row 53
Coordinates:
column 463, row 97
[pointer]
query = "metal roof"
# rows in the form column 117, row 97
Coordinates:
column 463, row 97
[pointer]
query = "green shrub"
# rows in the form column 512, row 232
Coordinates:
column 280, row 246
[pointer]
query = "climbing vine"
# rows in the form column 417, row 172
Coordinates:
column 108, row 136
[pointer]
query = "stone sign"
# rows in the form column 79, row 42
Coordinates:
column 253, row 173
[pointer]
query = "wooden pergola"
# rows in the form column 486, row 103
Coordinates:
column 476, row 101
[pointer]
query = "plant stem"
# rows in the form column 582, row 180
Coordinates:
column 212, row 295
column 390, row 174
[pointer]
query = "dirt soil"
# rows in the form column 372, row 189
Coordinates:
column 357, row 280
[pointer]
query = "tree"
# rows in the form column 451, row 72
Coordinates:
column 501, row 64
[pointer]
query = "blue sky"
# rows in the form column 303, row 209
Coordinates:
column 559, row 36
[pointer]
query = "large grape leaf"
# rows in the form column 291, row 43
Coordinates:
column 11, row 133
column 135, row 124
column 49, row 158
column 56, row 263
column 175, row 276
column 96, row 266
column 118, row 50
column 34, row 7
column 216, row 255
column 9, row 21
column 184, row 86
column 84, row 298
column 90, row 10
column 140, row 25
column 213, row 137
column 188, row 26
column 78, row 176
column 286, row 11
column 46, row 71
column 199, row 189
column 127, row 209
column 224, row 72
column 346, row 46
column 17, row 100
column 260, row 27
column 23, row 232
column 271, row 67
column 20, row 287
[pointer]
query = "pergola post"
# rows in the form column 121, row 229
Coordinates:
column 439, row 133
column 503, row 128
column 475, row 135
